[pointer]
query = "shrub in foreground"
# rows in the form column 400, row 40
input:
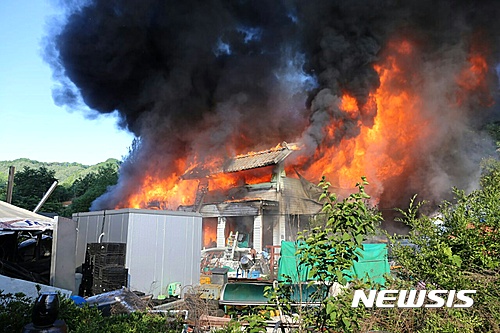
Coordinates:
column 15, row 313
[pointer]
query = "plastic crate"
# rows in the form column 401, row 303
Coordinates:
column 108, row 260
column 103, row 285
column 108, row 248
column 111, row 273
column 99, row 255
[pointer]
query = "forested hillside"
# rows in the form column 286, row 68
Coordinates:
column 66, row 173
column 78, row 184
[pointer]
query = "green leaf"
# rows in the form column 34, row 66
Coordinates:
column 339, row 275
column 359, row 239
column 329, row 308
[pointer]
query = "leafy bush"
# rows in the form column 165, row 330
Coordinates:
column 329, row 251
column 458, row 249
column 15, row 313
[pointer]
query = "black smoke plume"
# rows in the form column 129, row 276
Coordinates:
column 203, row 78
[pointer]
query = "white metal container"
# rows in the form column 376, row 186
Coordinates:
column 161, row 246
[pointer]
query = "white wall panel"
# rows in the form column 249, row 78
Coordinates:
column 162, row 246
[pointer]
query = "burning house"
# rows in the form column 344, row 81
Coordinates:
column 266, row 212
column 396, row 91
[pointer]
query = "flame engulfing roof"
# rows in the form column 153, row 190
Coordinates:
column 296, row 196
column 258, row 159
column 247, row 161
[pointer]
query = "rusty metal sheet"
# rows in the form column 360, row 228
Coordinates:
column 257, row 160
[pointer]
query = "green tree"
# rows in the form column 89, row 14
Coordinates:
column 457, row 249
column 329, row 251
column 85, row 190
column 30, row 185
column 3, row 191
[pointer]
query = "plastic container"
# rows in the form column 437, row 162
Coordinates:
column 254, row 275
column 78, row 281
column 205, row 279
column 210, row 291
column 174, row 289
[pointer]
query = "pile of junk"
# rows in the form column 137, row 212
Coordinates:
column 236, row 278
column 241, row 261
column 25, row 244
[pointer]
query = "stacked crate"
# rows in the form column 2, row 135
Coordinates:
column 106, row 264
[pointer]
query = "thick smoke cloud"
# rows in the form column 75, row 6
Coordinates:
column 204, row 78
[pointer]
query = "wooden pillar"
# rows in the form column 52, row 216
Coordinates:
column 10, row 183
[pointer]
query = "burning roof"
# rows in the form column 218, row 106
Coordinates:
column 258, row 159
column 244, row 162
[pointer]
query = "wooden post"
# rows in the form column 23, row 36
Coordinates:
column 10, row 183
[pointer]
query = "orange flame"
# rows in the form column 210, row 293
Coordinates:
column 384, row 148
column 473, row 80
column 209, row 232
column 379, row 152
column 162, row 193
column 349, row 104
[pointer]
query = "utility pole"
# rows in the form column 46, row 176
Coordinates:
column 10, row 183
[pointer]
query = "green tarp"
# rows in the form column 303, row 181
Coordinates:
column 372, row 263
column 288, row 264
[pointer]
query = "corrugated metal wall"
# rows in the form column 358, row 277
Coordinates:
column 164, row 249
column 162, row 246
column 113, row 224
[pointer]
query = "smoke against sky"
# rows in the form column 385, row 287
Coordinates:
column 196, row 80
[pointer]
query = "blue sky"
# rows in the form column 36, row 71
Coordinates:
column 31, row 125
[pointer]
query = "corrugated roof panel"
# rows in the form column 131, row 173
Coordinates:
column 257, row 160
column 243, row 162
